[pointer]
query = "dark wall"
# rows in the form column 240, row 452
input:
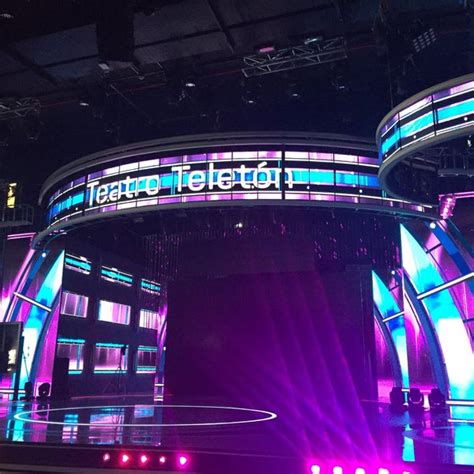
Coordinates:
column 299, row 343
column 94, row 331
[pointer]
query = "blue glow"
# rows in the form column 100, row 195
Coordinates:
column 445, row 317
column 64, row 340
column 61, row 206
column 37, row 317
column 408, row 454
column 150, row 286
column 456, row 110
column 417, row 125
column 387, row 307
column 76, row 263
column 147, row 348
column 117, row 276
column 391, row 139
column 110, row 344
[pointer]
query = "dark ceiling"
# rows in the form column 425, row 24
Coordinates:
column 127, row 62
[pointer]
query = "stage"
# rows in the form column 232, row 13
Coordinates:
column 135, row 433
column 232, row 304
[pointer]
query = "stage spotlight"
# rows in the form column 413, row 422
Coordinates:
column 183, row 460
column 415, row 398
column 43, row 391
column 28, row 391
column 124, row 458
column 315, row 469
column 43, row 254
column 436, row 399
column 382, row 470
column 397, row 398
column 337, row 470
column 359, row 470
column 162, row 459
column 106, row 457
column 433, row 225
column 143, row 459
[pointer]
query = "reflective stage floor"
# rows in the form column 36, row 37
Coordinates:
column 134, row 433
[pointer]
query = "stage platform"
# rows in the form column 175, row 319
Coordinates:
column 134, row 433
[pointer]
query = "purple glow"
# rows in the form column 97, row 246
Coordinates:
column 124, row 458
column 220, row 156
column 269, row 154
column 453, row 90
column 48, row 350
column 150, row 319
column 162, row 459
column 15, row 285
column 190, row 158
column 337, row 470
column 194, row 198
column 24, row 235
column 359, row 470
column 447, row 203
column 297, row 196
column 75, row 354
column 106, row 457
column 219, row 197
column 108, row 359
column 74, row 305
column 183, row 460
column 170, row 160
column 315, row 469
column 318, row 156
column 383, row 470
column 114, row 312
column 169, row 200
column 144, row 459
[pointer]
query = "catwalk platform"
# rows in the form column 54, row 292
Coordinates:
column 135, row 434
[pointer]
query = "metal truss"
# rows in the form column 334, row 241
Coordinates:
column 22, row 214
column 11, row 108
column 295, row 57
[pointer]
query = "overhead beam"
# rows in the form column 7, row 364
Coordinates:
column 11, row 51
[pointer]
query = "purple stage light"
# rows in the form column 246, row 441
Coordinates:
column 359, row 470
column 124, row 458
column 144, row 459
column 337, row 470
column 183, row 460
column 383, row 470
column 106, row 457
column 315, row 469
column 162, row 459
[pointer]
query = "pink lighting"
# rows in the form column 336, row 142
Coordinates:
column 315, row 469
column 144, row 459
column 124, row 458
column 382, row 470
column 183, row 460
column 446, row 205
column 106, row 457
column 337, row 470
column 162, row 459
column 359, row 470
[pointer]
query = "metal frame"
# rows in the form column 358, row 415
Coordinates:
column 295, row 57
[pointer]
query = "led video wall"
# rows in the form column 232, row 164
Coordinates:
column 257, row 175
column 447, row 110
